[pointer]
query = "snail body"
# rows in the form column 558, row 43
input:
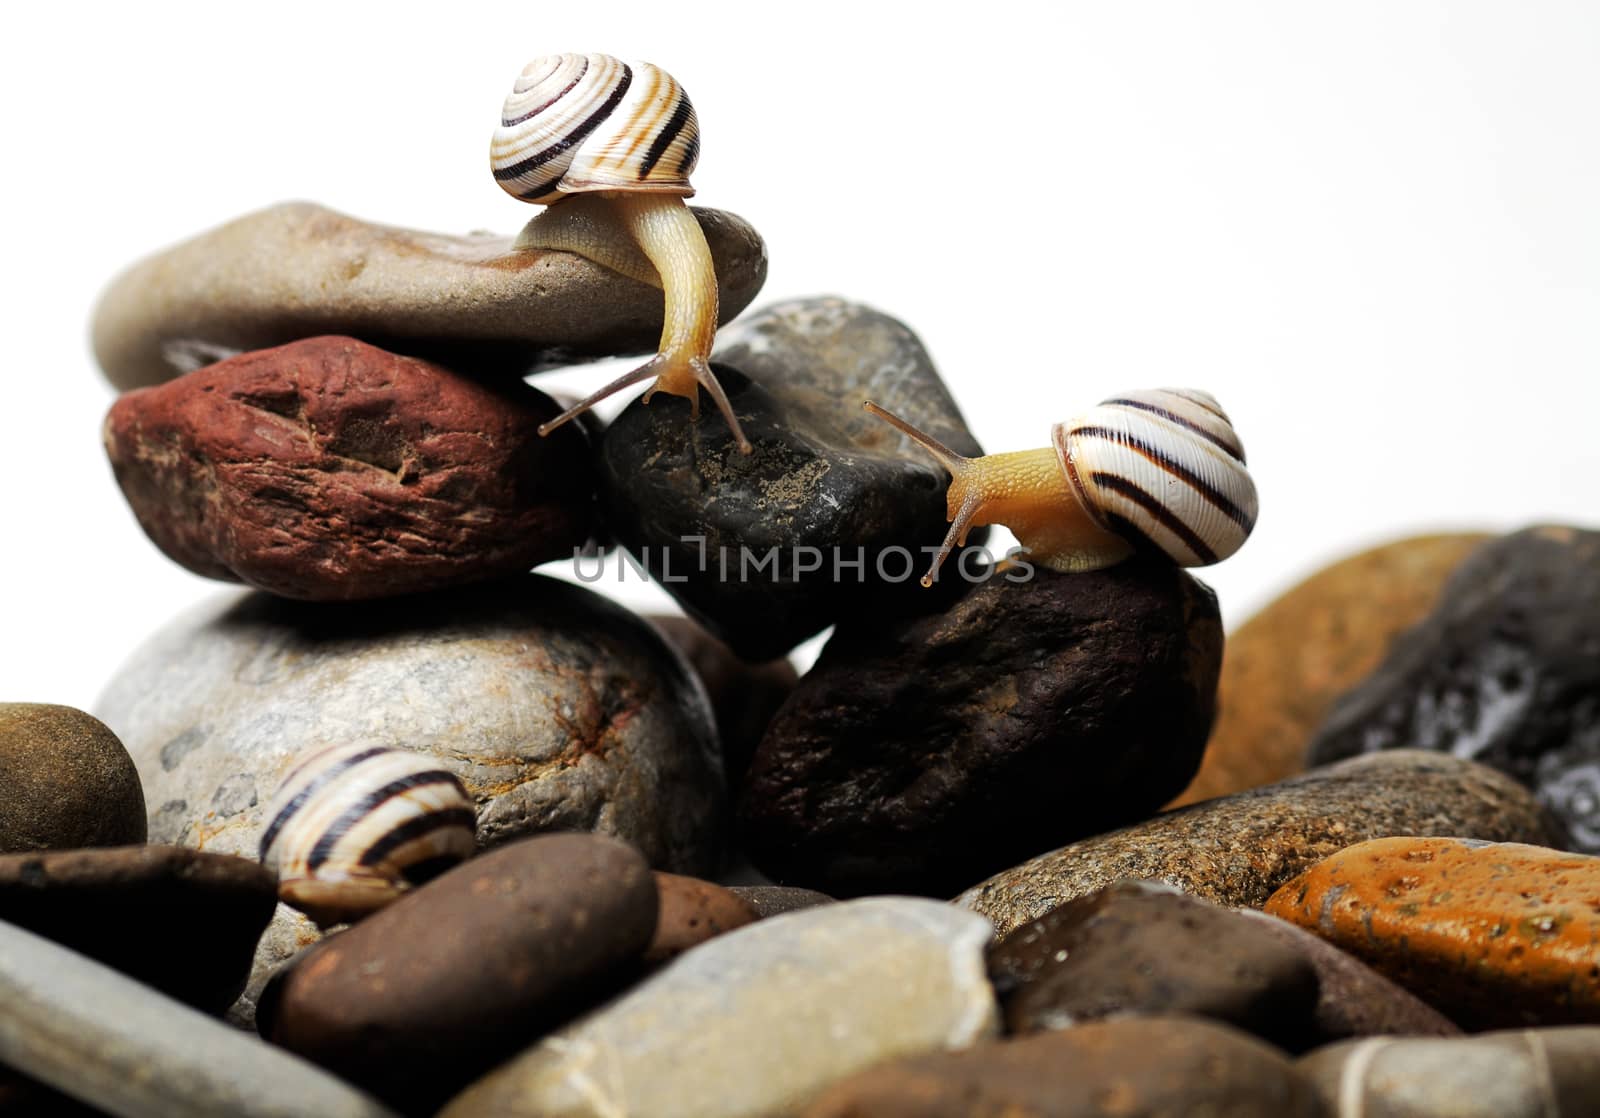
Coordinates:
column 1158, row 470
column 622, row 138
column 352, row 827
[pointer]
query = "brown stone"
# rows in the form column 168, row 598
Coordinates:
column 65, row 781
column 418, row 999
column 1496, row 934
column 1154, row 1067
column 1285, row 666
column 691, row 912
column 182, row 921
column 329, row 469
column 297, row 269
column 775, row 900
column 1238, row 849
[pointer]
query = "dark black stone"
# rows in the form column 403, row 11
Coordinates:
column 1505, row 671
column 824, row 475
column 924, row 753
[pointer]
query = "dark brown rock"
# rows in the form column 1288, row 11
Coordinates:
column 1155, row 1067
column 65, row 781
column 1236, row 850
column 1285, row 666
column 922, row 753
column 418, row 999
column 182, row 921
column 744, row 696
column 329, row 469
column 691, row 912
column 1140, row 948
column 297, row 269
column 775, row 900
column 1353, row 1000
column 1505, row 670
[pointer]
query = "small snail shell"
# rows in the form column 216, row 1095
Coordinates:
column 585, row 122
column 351, row 827
column 1158, row 470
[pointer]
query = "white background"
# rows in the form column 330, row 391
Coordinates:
column 1370, row 229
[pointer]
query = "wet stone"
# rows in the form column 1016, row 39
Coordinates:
column 297, row 270
column 1140, row 948
column 418, row 999
column 65, row 781
column 1237, row 850
column 920, row 754
column 693, row 912
column 331, row 469
column 1284, row 667
column 1146, row 1067
column 184, row 922
column 755, row 547
column 1505, row 670
column 1493, row 935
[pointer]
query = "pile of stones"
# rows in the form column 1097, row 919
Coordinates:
column 1344, row 866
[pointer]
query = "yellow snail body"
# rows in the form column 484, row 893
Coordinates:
column 619, row 140
column 352, row 827
column 1159, row 470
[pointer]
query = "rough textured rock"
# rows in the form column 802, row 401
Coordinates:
column 744, row 696
column 692, row 912
column 1285, row 666
column 1493, row 935
column 418, row 999
column 756, row 1021
column 827, row 486
column 559, row 710
column 1532, row 1073
column 775, row 900
column 1505, row 670
column 1353, row 1000
column 65, row 781
column 1136, row 947
column 921, row 754
column 1140, row 1068
column 84, row 1029
column 1238, row 849
column 184, row 922
column 330, row 469
column 297, row 269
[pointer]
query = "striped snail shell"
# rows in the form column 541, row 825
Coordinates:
column 351, row 827
column 586, row 122
column 1162, row 467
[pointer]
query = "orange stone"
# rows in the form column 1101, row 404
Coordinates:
column 1492, row 934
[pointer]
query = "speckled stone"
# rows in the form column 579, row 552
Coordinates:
column 1531, row 1073
column 1353, row 1000
column 418, row 999
column 84, row 1029
column 693, row 912
column 920, row 754
column 1493, row 935
column 1152, row 1067
column 185, row 922
column 1236, row 850
column 559, row 710
column 65, row 781
column 775, row 900
column 297, row 269
column 1284, row 667
column 755, row 1022
column 1505, row 670
column 758, row 548
column 1136, row 947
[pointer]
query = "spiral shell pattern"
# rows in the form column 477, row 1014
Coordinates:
column 1162, row 468
column 584, row 122
column 365, row 816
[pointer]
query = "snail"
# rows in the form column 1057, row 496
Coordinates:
column 608, row 146
column 352, row 827
column 1160, row 469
